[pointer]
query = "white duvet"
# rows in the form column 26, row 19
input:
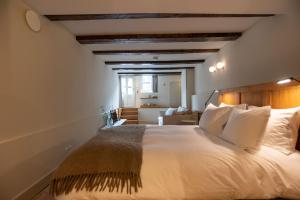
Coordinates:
column 184, row 163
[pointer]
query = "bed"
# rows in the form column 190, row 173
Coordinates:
column 187, row 163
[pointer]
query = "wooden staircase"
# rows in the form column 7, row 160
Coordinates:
column 131, row 114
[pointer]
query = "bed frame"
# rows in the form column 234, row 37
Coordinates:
column 277, row 96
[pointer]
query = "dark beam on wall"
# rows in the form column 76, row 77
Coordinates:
column 77, row 17
column 156, row 73
column 154, row 68
column 168, row 62
column 150, row 38
column 162, row 51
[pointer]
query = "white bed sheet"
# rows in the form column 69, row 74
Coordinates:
column 183, row 162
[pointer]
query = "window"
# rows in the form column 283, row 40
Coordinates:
column 123, row 85
column 127, row 86
column 147, row 84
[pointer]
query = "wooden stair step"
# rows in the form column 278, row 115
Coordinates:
column 129, row 109
column 130, row 113
column 130, row 117
column 130, row 121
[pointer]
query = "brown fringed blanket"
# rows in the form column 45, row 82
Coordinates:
column 111, row 160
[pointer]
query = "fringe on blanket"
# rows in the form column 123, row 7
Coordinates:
column 97, row 182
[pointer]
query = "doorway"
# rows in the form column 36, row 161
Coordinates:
column 128, row 91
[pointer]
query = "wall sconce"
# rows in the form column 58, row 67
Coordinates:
column 218, row 66
column 212, row 69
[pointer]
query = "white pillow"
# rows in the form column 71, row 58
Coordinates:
column 282, row 130
column 240, row 106
column 214, row 119
column 181, row 109
column 245, row 128
column 250, row 107
column 170, row 111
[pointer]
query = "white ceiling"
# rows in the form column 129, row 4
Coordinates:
column 158, row 6
column 149, row 26
column 147, row 66
column 140, row 26
column 153, row 46
column 190, row 56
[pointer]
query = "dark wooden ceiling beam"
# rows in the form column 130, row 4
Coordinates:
column 152, row 68
column 77, row 17
column 149, row 73
column 153, row 38
column 165, row 62
column 161, row 51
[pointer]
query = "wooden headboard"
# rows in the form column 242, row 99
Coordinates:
column 277, row 96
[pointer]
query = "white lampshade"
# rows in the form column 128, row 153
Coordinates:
column 196, row 103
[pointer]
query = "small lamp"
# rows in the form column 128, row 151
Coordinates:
column 287, row 80
column 210, row 96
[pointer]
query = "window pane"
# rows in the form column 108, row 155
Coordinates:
column 123, row 80
column 123, row 85
column 130, row 91
column 146, row 84
column 130, row 82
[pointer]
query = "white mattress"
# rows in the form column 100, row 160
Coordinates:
column 183, row 162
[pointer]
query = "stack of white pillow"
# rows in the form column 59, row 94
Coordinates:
column 171, row 111
column 252, row 127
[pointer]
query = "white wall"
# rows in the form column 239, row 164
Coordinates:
column 184, row 88
column 164, row 82
column 149, row 115
column 190, row 86
column 187, row 87
column 107, row 88
column 266, row 52
column 50, row 90
column 163, row 86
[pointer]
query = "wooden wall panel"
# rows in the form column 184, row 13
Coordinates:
column 260, row 98
column 231, row 98
column 298, row 141
column 287, row 97
column 277, row 96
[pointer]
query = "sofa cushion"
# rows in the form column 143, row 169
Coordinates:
column 170, row 111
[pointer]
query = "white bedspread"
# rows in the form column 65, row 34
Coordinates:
column 183, row 162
